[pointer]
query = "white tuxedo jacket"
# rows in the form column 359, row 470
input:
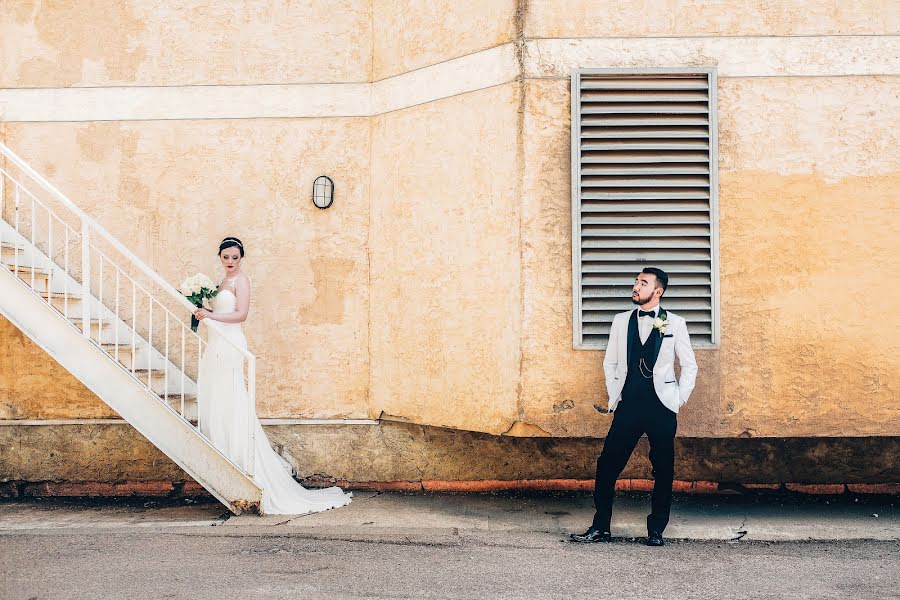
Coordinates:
column 676, row 342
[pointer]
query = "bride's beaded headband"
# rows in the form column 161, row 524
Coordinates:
column 233, row 240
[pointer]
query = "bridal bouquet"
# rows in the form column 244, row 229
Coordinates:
column 198, row 289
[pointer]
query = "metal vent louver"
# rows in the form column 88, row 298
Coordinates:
column 643, row 194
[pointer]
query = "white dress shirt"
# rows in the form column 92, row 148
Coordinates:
column 645, row 324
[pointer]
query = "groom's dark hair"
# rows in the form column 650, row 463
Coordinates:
column 662, row 279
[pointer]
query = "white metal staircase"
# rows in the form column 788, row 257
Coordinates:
column 114, row 323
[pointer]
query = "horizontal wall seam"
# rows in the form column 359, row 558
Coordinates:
column 440, row 62
column 818, row 76
column 385, row 423
column 732, row 57
column 715, row 37
column 258, row 118
column 546, row 58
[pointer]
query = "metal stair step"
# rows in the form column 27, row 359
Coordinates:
column 190, row 405
column 38, row 271
column 60, row 296
column 93, row 320
column 160, row 373
column 177, row 397
column 110, row 347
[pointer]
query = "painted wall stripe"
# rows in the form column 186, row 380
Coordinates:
column 822, row 56
column 733, row 57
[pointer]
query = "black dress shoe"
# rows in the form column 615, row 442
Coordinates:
column 654, row 538
column 592, row 536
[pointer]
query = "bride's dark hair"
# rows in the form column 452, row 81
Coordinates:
column 231, row 242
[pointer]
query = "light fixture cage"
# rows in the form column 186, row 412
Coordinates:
column 323, row 191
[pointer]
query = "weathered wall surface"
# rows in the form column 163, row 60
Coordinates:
column 174, row 189
column 809, row 224
column 445, row 262
column 563, row 389
column 808, row 219
column 34, row 386
column 438, row 289
column 410, row 34
column 142, row 42
column 624, row 18
column 116, row 453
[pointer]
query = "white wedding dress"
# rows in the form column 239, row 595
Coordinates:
column 225, row 415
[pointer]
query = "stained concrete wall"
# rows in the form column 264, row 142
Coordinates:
column 398, row 452
column 444, row 249
column 143, row 42
column 808, row 214
column 34, row 386
column 438, row 289
column 410, row 34
column 173, row 189
column 652, row 18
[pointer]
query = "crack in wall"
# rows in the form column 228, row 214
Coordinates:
column 519, row 19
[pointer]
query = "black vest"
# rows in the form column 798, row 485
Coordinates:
column 637, row 387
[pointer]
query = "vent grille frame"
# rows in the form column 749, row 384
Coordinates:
column 621, row 161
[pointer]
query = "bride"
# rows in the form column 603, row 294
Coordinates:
column 223, row 402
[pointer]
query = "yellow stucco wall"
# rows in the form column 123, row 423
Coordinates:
column 143, row 42
column 805, row 236
column 445, row 261
column 173, row 189
column 409, row 34
column 637, row 18
column 438, row 288
column 33, row 386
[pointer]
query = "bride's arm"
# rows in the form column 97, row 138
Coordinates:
column 242, row 292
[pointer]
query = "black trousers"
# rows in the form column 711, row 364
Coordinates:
column 634, row 417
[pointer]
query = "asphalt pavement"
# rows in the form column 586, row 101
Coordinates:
column 451, row 546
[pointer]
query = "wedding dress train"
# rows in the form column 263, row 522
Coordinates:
column 225, row 416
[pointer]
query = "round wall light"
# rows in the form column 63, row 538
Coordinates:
column 323, row 191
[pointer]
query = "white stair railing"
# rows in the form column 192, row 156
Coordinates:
column 116, row 300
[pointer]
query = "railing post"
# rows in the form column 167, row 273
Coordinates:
column 2, row 193
column 85, row 278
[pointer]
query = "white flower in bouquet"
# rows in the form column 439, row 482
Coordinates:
column 198, row 289
column 195, row 285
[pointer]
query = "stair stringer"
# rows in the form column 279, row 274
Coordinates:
column 161, row 425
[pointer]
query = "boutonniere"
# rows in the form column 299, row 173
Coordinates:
column 660, row 323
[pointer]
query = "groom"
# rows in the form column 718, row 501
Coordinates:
column 643, row 392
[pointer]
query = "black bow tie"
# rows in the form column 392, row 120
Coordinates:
column 647, row 313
